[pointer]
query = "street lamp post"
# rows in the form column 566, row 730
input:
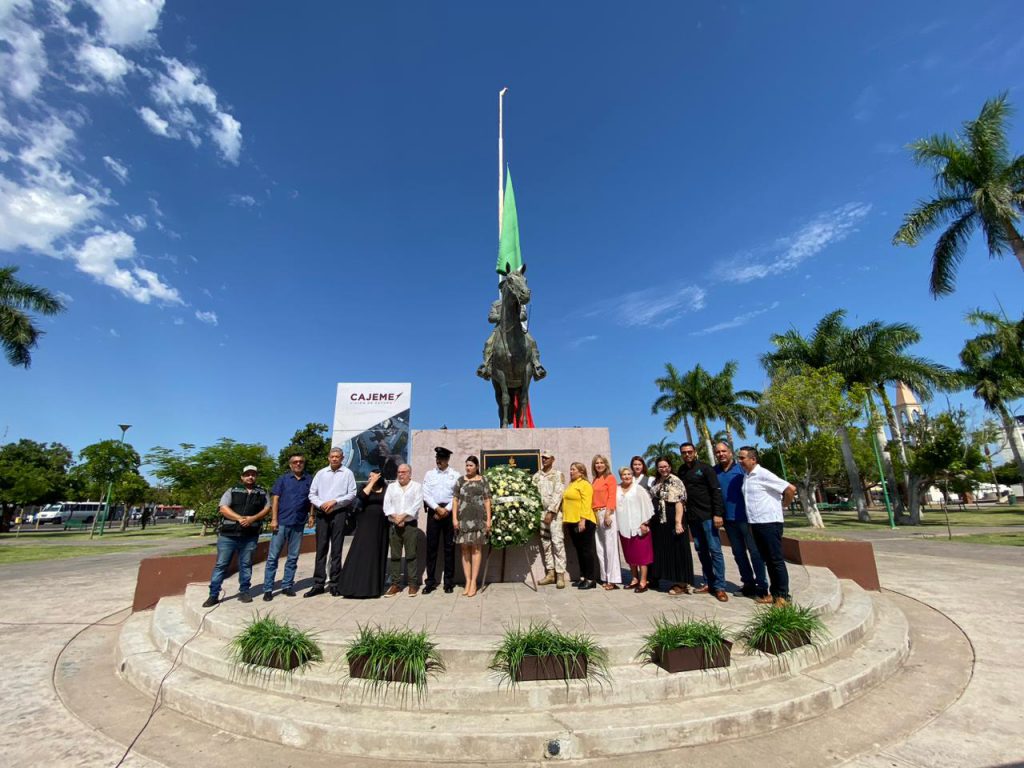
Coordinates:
column 110, row 487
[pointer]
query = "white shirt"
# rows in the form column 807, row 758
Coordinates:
column 633, row 507
column 328, row 485
column 407, row 501
column 762, row 494
column 438, row 487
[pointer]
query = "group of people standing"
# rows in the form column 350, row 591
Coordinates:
column 656, row 518
column 653, row 518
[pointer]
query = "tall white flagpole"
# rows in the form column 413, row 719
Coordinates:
column 501, row 159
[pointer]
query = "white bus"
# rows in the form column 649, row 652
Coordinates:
column 64, row 511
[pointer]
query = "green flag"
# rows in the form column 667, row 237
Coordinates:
column 508, row 247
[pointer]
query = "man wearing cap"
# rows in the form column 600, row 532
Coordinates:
column 242, row 508
column 332, row 492
column 289, row 510
column 438, row 487
column 551, row 484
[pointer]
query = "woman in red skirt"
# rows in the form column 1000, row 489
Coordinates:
column 635, row 510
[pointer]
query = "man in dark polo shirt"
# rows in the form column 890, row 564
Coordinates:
column 242, row 509
column 705, row 514
column 290, row 512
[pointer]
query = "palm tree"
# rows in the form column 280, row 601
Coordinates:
column 665, row 447
column 18, row 334
column 978, row 184
column 827, row 348
column 674, row 400
column 993, row 366
column 729, row 405
column 879, row 358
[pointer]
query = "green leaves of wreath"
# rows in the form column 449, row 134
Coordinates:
column 516, row 508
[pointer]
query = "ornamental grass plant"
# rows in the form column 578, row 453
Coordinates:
column 667, row 634
column 780, row 628
column 266, row 644
column 380, row 656
column 569, row 650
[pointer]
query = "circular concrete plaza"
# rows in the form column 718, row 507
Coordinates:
column 906, row 677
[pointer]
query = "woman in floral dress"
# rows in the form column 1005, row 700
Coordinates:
column 471, row 518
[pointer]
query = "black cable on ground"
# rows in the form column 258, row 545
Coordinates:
column 160, row 688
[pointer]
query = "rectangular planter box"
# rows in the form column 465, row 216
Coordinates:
column 689, row 659
column 394, row 674
column 785, row 642
column 287, row 663
column 551, row 668
column 854, row 560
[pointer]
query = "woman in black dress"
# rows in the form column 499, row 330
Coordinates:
column 363, row 574
column 673, row 561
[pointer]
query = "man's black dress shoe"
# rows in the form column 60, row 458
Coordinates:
column 448, row 589
column 288, row 592
column 315, row 591
column 428, row 589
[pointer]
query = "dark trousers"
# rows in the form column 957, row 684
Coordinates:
column 585, row 542
column 768, row 538
column 400, row 539
column 438, row 532
column 330, row 535
column 744, row 552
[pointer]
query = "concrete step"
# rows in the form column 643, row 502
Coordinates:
column 470, row 686
column 593, row 730
column 466, row 631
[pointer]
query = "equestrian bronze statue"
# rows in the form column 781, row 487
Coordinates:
column 511, row 358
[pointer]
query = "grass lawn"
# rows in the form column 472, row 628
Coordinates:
column 1005, row 539
column 208, row 549
column 30, row 552
column 933, row 516
column 169, row 531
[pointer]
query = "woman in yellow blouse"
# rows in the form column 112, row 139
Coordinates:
column 580, row 525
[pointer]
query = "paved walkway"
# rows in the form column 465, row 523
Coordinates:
column 46, row 605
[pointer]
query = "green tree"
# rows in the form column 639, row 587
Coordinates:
column 18, row 332
column 31, row 473
column 979, row 184
column 992, row 365
column 826, row 349
column 803, row 413
column 733, row 408
column 940, row 453
column 674, row 400
column 667, row 447
column 108, row 463
column 199, row 477
column 313, row 440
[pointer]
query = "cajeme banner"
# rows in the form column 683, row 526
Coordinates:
column 371, row 424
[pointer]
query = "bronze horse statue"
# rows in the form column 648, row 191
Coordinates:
column 511, row 358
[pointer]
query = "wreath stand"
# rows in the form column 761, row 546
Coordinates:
column 504, row 557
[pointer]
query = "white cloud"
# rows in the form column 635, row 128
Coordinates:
column 865, row 104
column 580, row 341
column 22, row 56
column 117, row 168
column 178, row 89
column 127, row 22
column 155, row 123
column 243, row 201
column 36, row 214
column 179, row 321
column 736, row 322
column 210, row 318
column 115, row 334
column 811, row 239
column 101, row 255
column 659, row 306
column 105, row 62
column 65, row 298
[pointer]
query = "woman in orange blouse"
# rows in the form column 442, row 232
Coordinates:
column 609, row 572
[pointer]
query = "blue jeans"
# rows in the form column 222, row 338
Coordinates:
column 748, row 559
column 227, row 546
column 286, row 536
column 709, row 551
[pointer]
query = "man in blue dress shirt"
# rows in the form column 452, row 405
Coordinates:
column 744, row 550
column 290, row 513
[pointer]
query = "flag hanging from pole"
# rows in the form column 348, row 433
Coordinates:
column 508, row 247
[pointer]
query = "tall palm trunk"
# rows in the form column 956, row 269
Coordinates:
column 1016, row 242
column 686, row 423
column 1013, row 437
column 890, row 472
column 702, row 427
column 856, row 488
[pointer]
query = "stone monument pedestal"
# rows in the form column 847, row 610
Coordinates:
column 569, row 444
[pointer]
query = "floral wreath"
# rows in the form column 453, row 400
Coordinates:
column 516, row 506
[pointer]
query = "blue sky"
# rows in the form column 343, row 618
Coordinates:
column 245, row 203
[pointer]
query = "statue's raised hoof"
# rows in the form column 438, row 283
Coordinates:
column 539, row 373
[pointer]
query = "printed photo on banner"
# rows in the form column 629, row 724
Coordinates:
column 371, row 425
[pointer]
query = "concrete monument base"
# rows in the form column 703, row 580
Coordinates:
column 569, row 444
